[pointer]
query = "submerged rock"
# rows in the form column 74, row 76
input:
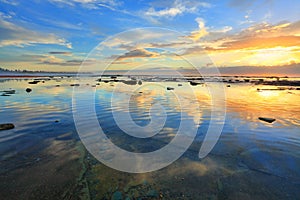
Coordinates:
column 28, row 90
column 117, row 196
column 272, row 162
column 6, row 126
column 267, row 119
column 152, row 194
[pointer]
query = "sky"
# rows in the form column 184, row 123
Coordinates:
column 93, row 35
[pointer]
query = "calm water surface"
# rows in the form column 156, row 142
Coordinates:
column 43, row 157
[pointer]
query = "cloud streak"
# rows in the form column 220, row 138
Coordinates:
column 15, row 35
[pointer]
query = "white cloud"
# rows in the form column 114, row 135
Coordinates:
column 11, row 2
column 14, row 35
column 178, row 7
column 201, row 32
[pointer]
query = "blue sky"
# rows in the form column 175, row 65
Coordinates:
column 57, row 35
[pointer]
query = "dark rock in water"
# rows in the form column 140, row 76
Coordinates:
column 266, row 119
column 56, row 121
column 113, row 77
column 28, row 90
column 140, row 82
column 6, row 126
column 170, row 88
column 194, row 83
column 228, row 86
column 33, row 82
column 5, row 95
column 9, row 91
column 117, row 196
column 130, row 82
column 76, row 84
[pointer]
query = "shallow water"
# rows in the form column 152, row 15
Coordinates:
column 43, row 158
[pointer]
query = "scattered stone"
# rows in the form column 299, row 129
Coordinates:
column 152, row 194
column 117, row 196
column 28, row 90
column 267, row 119
column 6, row 126
column 179, row 84
column 57, row 86
column 228, row 85
column 220, row 185
column 140, row 82
column 170, row 88
column 56, row 121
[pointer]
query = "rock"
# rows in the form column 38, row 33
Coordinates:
column 117, row 196
column 57, row 86
column 194, row 83
column 6, row 126
column 56, row 121
column 179, row 84
column 10, row 91
column 28, row 90
column 153, row 194
column 228, row 86
column 170, row 88
column 76, row 84
column 140, row 82
column 33, row 82
column 130, row 82
column 266, row 119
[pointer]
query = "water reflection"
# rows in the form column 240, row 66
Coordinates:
column 45, row 138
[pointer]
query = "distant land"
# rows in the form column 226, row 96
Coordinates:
column 292, row 70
